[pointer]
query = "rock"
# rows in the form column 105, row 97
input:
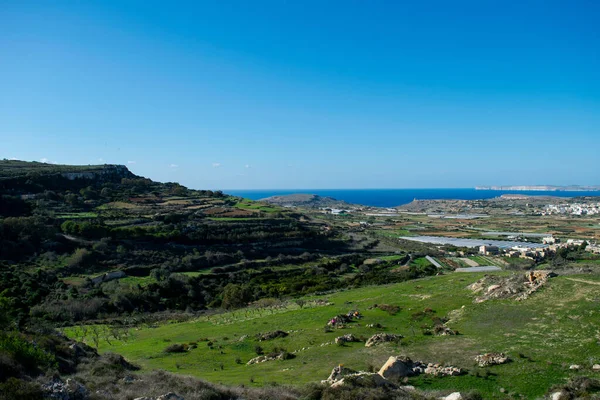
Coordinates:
column 363, row 379
column 453, row 396
column 338, row 373
column 382, row 338
column 348, row 338
column 575, row 367
column 69, row 390
column 487, row 359
column 596, row 367
column 492, row 288
column 559, row 396
column 396, row 368
column 170, row 396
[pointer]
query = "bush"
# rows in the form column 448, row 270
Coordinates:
column 18, row 389
column 28, row 355
column 176, row 348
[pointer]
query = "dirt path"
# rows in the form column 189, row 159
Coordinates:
column 583, row 281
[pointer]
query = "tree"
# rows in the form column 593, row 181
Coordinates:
column 234, row 296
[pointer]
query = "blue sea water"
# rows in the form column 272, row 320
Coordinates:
column 396, row 197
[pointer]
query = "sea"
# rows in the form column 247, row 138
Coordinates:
column 397, row 197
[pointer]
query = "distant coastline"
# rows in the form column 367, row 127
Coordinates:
column 543, row 188
column 397, row 197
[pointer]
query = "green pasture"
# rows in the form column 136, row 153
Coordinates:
column 543, row 335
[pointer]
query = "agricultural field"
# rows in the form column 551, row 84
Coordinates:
column 542, row 341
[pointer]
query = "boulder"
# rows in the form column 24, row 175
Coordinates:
column 68, row 390
column 453, row 396
column 170, row 396
column 347, row 338
column 396, row 368
column 596, row 367
column 559, row 396
column 487, row 359
column 382, row 338
column 489, row 290
column 363, row 379
column 575, row 367
column 337, row 374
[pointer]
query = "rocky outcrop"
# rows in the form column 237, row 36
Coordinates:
column 262, row 359
column 396, row 368
column 364, row 379
column 453, row 396
column 487, row 359
column 65, row 390
column 347, row 338
column 168, row 396
column 518, row 287
column 337, row 374
column 400, row 367
column 379, row 338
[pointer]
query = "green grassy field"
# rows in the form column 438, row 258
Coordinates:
column 252, row 205
column 543, row 335
column 77, row 215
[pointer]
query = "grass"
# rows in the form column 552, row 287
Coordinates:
column 77, row 215
column 421, row 262
column 253, row 205
column 234, row 218
column 553, row 329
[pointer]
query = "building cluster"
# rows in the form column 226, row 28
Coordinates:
column 572, row 209
column 538, row 253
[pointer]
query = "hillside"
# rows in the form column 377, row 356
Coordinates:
column 542, row 342
column 200, row 283
column 88, row 225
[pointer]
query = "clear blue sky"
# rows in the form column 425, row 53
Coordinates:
column 307, row 94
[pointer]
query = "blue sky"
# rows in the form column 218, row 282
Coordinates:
column 307, row 94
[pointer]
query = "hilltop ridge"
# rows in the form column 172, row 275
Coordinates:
column 35, row 177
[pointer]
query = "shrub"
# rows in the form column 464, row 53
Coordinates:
column 176, row 348
column 28, row 355
column 19, row 389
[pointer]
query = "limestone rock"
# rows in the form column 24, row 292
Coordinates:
column 596, row 367
column 68, row 390
column 559, row 396
column 363, row 379
column 396, row 368
column 489, row 290
column 487, row 359
column 575, row 367
column 338, row 373
column 382, row 338
column 170, row 396
column 453, row 396
column 347, row 338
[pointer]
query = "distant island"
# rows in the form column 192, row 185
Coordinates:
column 543, row 188
column 305, row 200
